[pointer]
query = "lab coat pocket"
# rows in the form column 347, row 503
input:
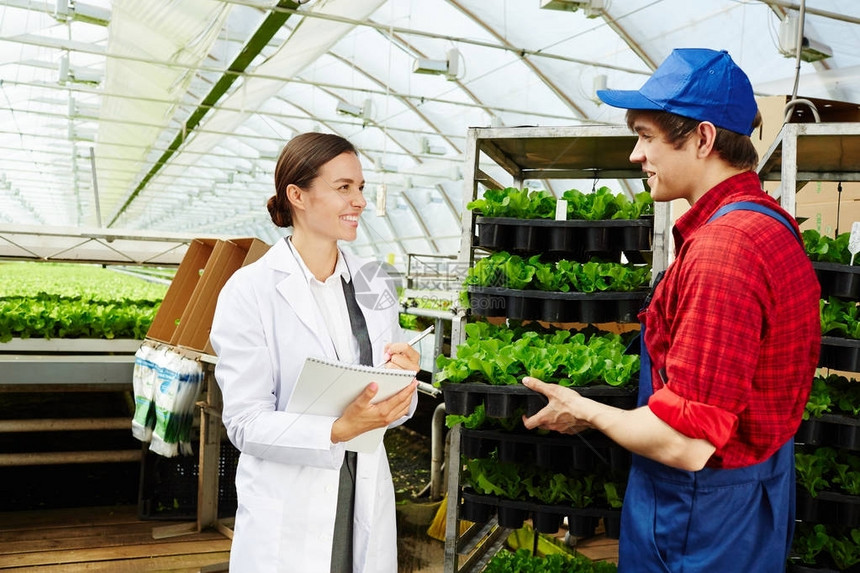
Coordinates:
column 257, row 544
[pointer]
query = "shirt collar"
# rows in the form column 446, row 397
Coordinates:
column 724, row 192
column 340, row 268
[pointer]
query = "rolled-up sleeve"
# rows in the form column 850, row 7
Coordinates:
column 693, row 419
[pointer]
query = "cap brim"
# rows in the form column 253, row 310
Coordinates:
column 626, row 99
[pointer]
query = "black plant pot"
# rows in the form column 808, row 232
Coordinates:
column 612, row 526
column 459, row 401
column 634, row 239
column 523, row 307
column 847, row 435
column 529, row 239
column 840, row 353
column 490, row 305
column 500, row 405
column 546, row 522
column 535, row 403
column 582, row 525
column 619, row 459
column 546, row 456
column 828, row 507
column 494, row 237
column 475, row 447
column 567, row 240
column 475, row 511
column 560, row 310
column 809, row 432
column 842, row 281
column 512, row 517
column 511, row 451
column 837, row 431
column 582, row 459
column 597, row 239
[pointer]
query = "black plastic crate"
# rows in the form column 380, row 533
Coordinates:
column 168, row 486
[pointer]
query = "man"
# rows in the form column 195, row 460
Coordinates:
column 730, row 339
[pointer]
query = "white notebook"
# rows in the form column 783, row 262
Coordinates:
column 326, row 387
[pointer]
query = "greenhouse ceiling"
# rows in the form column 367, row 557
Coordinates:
column 172, row 112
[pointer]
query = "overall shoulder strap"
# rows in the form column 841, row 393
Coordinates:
column 758, row 208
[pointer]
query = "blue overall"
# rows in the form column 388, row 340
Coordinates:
column 713, row 520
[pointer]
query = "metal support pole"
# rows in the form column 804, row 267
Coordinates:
column 437, row 452
column 96, row 188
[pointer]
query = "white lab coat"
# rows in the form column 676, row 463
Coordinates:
column 265, row 324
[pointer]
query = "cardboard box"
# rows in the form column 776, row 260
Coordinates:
column 181, row 290
column 196, row 320
column 819, row 203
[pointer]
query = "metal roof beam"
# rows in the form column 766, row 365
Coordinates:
column 417, row 214
column 811, row 10
column 386, row 29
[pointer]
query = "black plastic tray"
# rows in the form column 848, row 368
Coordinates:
column 842, row 281
column 578, row 239
column 828, row 507
column 505, row 401
column 589, row 308
column 168, row 486
column 545, row 518
column 840, row 353
column 830, row 430
column 589, row 451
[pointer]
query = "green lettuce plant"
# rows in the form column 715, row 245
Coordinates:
column 827, row 467
column 504, row 270
column 50, row 300
column 840, row 544
column 823, row 249
column 503, row 356
column 522, row 561
column 601, row 204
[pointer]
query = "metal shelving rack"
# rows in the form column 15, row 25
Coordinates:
column 527, row 153
column 804, row 152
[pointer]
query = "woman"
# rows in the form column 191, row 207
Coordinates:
column 305, row 504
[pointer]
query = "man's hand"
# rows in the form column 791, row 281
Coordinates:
column 566, row 411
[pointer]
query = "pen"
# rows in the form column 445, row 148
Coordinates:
column 421, row 335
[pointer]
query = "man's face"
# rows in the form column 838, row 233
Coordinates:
column 670, row 171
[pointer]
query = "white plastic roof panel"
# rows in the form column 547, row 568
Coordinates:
column 153, row 52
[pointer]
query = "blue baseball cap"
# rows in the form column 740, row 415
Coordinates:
column 697, row 83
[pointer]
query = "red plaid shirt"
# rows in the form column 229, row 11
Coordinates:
column 733, row 329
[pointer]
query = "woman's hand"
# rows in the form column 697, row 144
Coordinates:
column 361, row 415
column 565, row 412
column 401, row 355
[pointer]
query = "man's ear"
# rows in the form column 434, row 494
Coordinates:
column 706, row 134
column 296, row 196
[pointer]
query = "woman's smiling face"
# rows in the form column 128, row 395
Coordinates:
column 335, row 199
